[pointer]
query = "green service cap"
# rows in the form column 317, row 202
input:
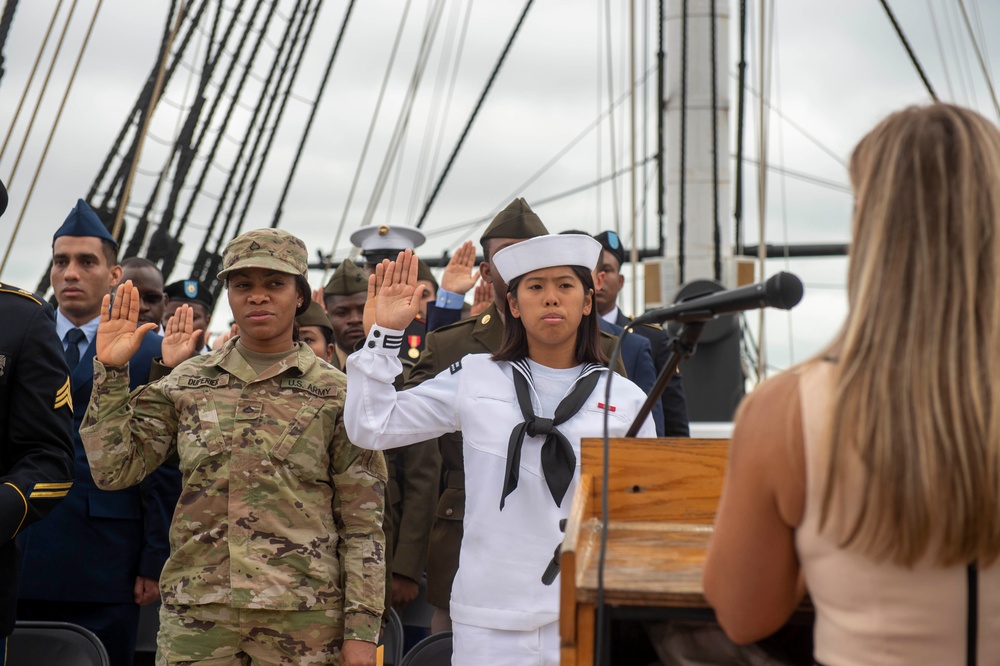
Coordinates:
column 517, row 220
column 424, row 272
column 265, row 248
column 349, row 278
column 314, row 315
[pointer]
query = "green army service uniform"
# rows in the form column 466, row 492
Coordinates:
column 445, row 347
column 279, row 511
column 414, row 471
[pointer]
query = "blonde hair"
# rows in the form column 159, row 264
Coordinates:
column 919, row 354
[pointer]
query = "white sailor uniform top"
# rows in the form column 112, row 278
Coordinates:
column 504, row 552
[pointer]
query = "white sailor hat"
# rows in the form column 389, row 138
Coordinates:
column 547, row 251
column 381, row 240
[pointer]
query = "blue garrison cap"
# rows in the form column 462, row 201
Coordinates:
column 83, row 221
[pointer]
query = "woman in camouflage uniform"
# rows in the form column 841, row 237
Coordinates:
column 277, row 549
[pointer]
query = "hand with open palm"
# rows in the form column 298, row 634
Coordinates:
column 118, row 337
column 461, row 273
column 397, row 294
column 179, row 337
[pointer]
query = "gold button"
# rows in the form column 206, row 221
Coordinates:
column 486, row 319
column 448, row 512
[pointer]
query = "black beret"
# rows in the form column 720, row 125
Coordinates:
column 610, row 241
column 190, row 291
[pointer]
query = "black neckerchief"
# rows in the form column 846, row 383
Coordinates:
column 558, row 458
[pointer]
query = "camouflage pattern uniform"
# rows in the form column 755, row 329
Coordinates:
column 279, row 511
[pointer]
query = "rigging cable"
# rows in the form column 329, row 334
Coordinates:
column 52, row 131
column 612, row 151
column 34, row 70
column 8, row 16
column 41, row 94
column 364, row 146
column 402, row 122
column 265, row 95
column 145, row 124
column 451, row 90
column 430, row 128
column 661, row 188
column 163, row 228
column 716, row 231
column 979, row 56
column 312, row 114
column 740, row 114
column 909, row 51
column 682, row 184
column 940, row 47
column 281, row 108
column 472, row 118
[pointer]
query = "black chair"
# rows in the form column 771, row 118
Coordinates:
column 435, row 650
column 54, row 644
column 392, row 639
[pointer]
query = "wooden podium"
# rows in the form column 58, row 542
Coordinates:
column 662, row 496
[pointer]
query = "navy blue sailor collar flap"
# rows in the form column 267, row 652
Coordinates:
column 557, row 456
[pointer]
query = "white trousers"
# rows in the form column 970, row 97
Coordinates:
column 476, row 646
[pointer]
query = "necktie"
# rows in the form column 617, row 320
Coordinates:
column 558, row 459
column 73, row 337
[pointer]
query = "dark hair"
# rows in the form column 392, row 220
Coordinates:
column 138, row 262
column 588, row 347
column 485, row 243
column 302, row 285
column 110, row 251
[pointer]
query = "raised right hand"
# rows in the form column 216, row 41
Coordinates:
column 481, row 298
column 398, row 298
column 178, row 337
column 118, row 337
column 460, row 274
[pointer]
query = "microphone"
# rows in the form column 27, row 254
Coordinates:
column 782, row 291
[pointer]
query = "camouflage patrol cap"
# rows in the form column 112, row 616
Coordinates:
column 349, row 278
column 265, row 248
column 314, row 315
column 517, row 220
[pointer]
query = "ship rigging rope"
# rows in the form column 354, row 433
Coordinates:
column 403, row 120
column 979, row 56
column 268, row 96
column 682, row 183
column 31, row 78
column 55, row 124
column 364, row 146
column 437, row 118
column 909, row 51
column 254, row 50
column 472, row 118
column 613, row 155
column 940, row 48
column 716, row 231
column 147, row 117
column 283, row 104
column 41, row 93
column 312, row 115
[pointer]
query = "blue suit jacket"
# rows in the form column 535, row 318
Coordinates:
column 94, row 544
column 637, row 356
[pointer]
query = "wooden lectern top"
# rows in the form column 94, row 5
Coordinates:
column 662, row 496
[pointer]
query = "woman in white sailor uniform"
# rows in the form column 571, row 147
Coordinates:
column 522, row 413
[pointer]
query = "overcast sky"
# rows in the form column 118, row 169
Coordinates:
column 837, row 67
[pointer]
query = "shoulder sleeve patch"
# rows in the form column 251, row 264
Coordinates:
column 455, row 367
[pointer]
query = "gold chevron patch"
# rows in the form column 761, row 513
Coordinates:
column 46, row 494
column 62, row 485
column 64, row 396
